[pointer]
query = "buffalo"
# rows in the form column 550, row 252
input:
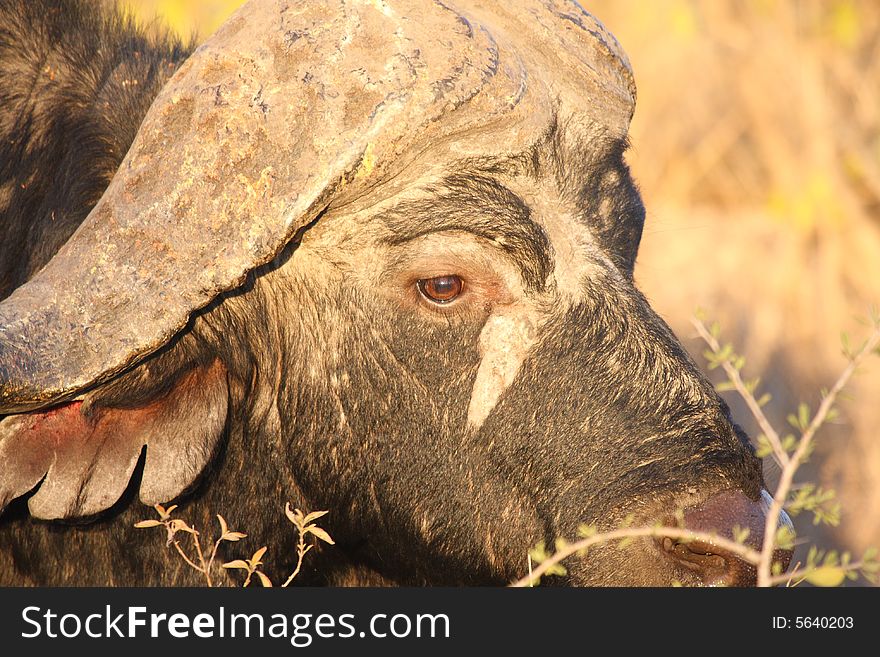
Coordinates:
column 370, row 256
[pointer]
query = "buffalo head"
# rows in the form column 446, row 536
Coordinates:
column 377, row 257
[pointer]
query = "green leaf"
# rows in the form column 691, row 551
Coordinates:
column 871, row 566
column 844, row 342
column 556, row 569
column 678, row 515
column 539, row 553
column 740, row 534
column 258, row 555
column 711, row 359
column 586, row 531
column 826, row 576
column 764, row 447
column 238, row 563
column 803, row 415
column 785, row 537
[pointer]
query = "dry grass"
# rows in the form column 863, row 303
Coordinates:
column 757, row 145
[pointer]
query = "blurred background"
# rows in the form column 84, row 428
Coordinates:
column 756, row 142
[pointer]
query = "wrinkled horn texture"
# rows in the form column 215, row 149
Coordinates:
column 291, row 108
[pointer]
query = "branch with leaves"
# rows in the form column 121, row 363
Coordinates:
column 303, row 522
column 305, row 525
column 174, row 525
column 790, row 451
column 252, row 566
column 551, row 564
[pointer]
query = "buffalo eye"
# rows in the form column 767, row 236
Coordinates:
column 441, row 289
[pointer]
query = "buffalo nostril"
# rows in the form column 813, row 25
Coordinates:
column 712, row 564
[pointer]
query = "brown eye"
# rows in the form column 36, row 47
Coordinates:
column 441, row 289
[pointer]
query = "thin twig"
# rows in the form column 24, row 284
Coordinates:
column 763, row 560
column 743, row 551
column 186, row 558
column 214, row 552
column 204, row 567
column 765, row 577
column 734, row 376
column 301, row 550
column 802, row 572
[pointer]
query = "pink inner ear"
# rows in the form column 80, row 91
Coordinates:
column 88, row 461
column 29, row 444
column 45, row 430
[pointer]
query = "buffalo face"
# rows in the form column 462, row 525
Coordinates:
column 467, row 368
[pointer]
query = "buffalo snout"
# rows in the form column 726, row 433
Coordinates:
column 716, row 565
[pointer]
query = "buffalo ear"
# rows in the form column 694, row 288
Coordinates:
column 85, row 459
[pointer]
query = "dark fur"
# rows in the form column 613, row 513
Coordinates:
column 69, row 110
column 607, row 417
